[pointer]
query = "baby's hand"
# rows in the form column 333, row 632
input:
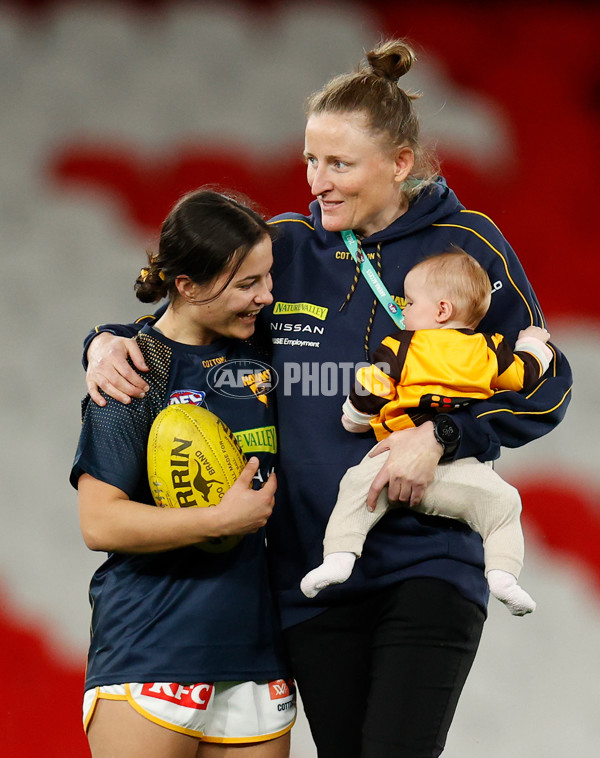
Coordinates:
column 534, row 332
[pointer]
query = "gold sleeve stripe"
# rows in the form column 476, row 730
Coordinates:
column 477, row 213
column 539, row 312
column 291, row 221
column 498, row 253
column 553, row 364
column 536, row 388
column 527, row 413
column 137, row 321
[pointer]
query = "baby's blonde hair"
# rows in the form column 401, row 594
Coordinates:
column 458, row 277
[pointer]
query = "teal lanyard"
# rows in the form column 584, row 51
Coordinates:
column 373, row 278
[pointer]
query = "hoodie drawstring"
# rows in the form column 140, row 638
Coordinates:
column 351, row 291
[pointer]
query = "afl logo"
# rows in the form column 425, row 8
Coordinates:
column 179, row 397
column 242, row 379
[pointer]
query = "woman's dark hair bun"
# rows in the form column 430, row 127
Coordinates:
column 150, row 286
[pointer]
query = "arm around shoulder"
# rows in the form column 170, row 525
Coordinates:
column 107, row 350
column 111, row 362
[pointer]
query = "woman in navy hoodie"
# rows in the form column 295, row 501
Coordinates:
column 413, row 610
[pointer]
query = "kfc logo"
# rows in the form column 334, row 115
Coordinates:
column 196, row 696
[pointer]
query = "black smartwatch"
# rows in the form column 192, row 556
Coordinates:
column 447, row 434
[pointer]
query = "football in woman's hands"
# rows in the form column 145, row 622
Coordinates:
column 193, row 459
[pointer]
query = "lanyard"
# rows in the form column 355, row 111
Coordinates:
column 373, row 278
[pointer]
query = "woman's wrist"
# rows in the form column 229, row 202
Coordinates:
column 447, row 434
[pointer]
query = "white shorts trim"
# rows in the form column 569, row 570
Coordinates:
column 227, row 712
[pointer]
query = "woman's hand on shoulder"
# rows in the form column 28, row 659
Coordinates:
column 109, row 369
column 244, row 510
column 410, row 468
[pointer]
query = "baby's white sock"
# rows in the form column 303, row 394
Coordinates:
column 504, row 587
column 335, row 569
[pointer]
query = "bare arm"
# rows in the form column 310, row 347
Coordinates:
column 410, row 468
column 109, row 369
column 110, row 521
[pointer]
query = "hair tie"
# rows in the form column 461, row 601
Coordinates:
column 145, row 273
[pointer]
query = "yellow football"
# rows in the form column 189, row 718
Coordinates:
column 193, row 459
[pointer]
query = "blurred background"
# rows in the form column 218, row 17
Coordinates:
column 110, row 111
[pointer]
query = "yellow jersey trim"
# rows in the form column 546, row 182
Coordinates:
column 539, row 312
column 292, row 221
column 528, row 413
column 137, row 321
column 478, row 213
column 552, row 348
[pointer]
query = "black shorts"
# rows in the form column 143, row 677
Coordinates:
column 381, row 677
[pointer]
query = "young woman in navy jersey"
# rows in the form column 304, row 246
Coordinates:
column 185, row 657
column 412, row 613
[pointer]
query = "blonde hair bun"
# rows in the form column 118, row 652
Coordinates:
column 391, row 59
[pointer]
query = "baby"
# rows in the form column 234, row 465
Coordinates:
column 439, row 363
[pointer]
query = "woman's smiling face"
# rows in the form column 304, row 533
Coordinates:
column 233, row 312
column 356, row 178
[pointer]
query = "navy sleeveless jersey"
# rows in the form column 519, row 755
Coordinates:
column 182, row 615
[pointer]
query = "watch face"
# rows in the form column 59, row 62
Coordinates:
column 447, row 430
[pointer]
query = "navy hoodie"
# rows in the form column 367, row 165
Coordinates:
column 317, row 346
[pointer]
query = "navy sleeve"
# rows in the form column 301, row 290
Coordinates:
column 509, row 419
column 121, row 330
column 112, row 444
